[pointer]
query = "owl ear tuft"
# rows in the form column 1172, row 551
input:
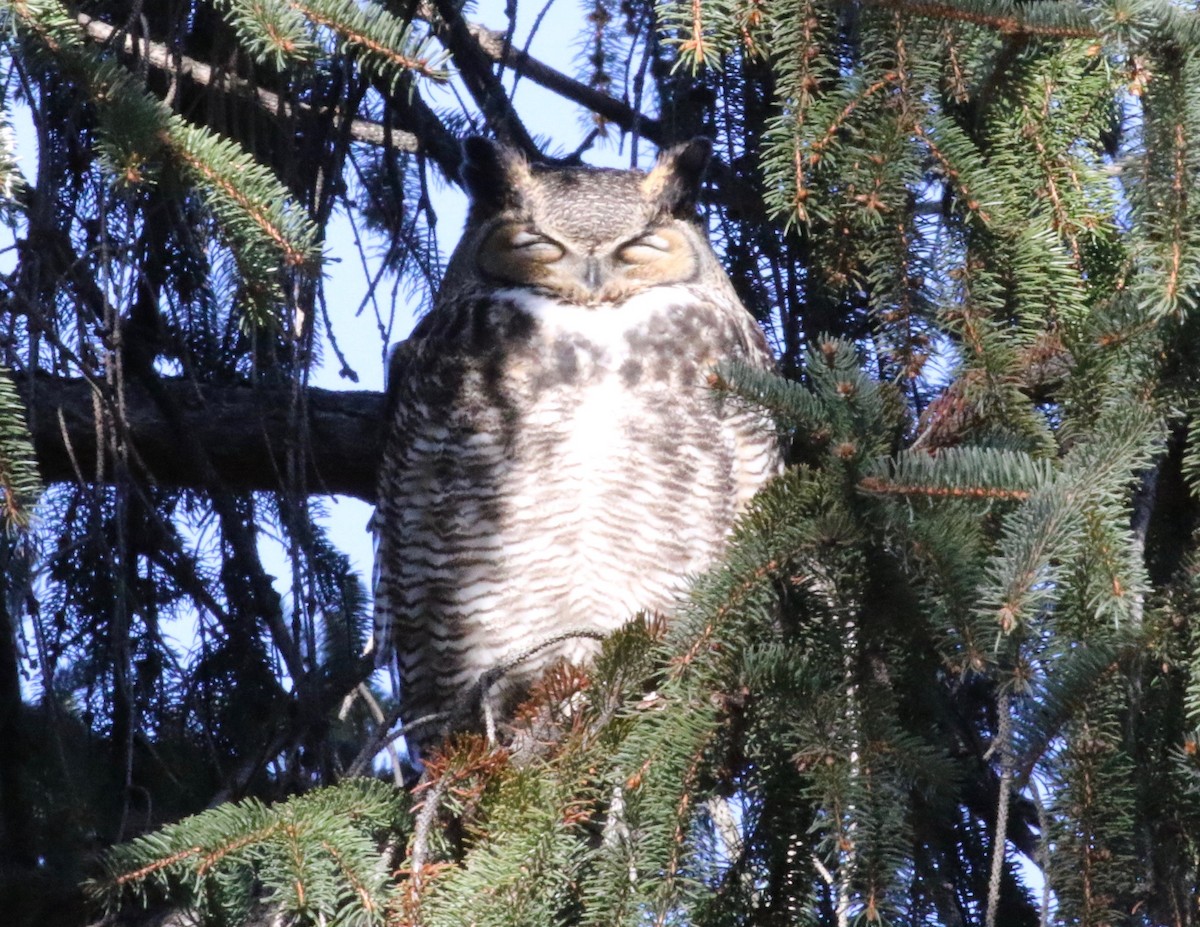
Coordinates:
column 677, row 175
column 492, row 173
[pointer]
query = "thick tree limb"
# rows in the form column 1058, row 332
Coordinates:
column 246, row 431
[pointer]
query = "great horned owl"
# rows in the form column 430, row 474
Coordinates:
column 555, row 458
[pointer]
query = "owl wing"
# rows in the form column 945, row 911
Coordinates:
column 430, row 515
column 397, row 390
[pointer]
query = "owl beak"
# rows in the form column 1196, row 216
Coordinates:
column 592, row 275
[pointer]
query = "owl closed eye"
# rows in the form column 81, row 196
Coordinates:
column 588, row 236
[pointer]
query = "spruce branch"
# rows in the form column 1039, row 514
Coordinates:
column 959, row 162
column 960, row 473
column 280, row 31
column 801, row 62
column 1061, row 698
column 272, row 31
column 816, row 150
column 254, row 209
column 163, row 58
column 787, row 401
column 236, row 177
column 700, row 38
column 381, row 41
column 1093, row 798
column 20, row 484
column 302, row 853
column 1046, row 532
column 1163, row 203
column 1065, row 21
column 841, row 405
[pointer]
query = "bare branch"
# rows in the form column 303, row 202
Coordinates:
column 475, row 71
column 620, row 114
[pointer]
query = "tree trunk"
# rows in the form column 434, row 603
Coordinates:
column 16, row 822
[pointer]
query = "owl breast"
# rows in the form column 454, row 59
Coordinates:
column 623, row 463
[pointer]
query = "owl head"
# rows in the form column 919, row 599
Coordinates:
column 586, row 235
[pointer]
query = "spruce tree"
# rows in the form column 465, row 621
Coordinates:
column 952, row 645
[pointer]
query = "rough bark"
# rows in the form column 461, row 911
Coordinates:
column 247, row 432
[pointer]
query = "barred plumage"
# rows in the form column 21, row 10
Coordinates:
column 556, row 460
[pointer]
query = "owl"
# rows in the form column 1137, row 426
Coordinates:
column 555, row 457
